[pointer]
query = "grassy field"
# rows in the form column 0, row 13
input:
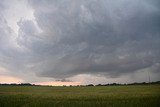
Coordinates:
column 102, row 96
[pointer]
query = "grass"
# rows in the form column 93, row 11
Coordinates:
column 102, row 96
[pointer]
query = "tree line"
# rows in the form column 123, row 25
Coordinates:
column 109, row 84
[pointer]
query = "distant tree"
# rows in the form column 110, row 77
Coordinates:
column 90, row 85
column 99, row 85
column 25, row 84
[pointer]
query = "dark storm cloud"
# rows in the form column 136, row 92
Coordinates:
column 89, row 37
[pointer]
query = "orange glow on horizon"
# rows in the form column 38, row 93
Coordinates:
column 10, row 79
column 58, row 83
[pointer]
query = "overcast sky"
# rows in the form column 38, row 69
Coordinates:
column 79, row 41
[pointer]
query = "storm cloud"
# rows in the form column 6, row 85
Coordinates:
column 71, row 37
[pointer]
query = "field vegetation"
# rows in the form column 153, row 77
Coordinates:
column 82, row 96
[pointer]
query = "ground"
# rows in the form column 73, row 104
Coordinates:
column 97, row 96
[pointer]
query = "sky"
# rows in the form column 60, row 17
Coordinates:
column 74, row 42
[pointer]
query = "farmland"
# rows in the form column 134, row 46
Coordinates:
column 89, row 96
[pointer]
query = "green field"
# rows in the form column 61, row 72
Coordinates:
column 102, row 96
